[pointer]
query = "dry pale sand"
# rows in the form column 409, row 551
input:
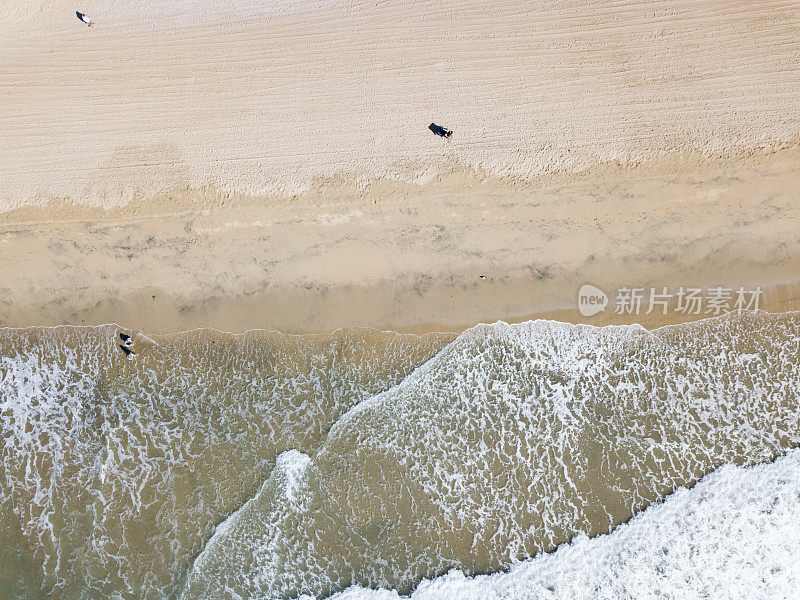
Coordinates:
column 237, row 166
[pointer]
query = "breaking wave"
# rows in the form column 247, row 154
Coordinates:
column 274, row 466
column 511, row 441
column 734, row 535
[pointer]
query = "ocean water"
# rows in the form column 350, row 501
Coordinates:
column 115, row 472
column 735, row 535
column 273, row 466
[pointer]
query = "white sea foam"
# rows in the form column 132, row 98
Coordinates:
column 324, row 464
column 121, row 469
column 44, row 430
column 513, row 439
column 734, row 535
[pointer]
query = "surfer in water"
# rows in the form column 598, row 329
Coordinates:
column 84, row 18
column 127, row 346
column 129, row 354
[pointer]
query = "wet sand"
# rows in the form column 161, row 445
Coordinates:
column 461, row 249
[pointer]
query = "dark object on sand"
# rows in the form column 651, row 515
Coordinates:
column 84, row 18
column 440, row 131
column 127, row 351
column 126, row 339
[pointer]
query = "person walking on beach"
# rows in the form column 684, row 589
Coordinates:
column 440, row 131
column 84, row 18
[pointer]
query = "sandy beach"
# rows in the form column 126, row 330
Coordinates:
column 243, row 166
column 455, row 251
column 249, row 302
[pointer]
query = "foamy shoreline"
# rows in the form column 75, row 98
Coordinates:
column 730, row 514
